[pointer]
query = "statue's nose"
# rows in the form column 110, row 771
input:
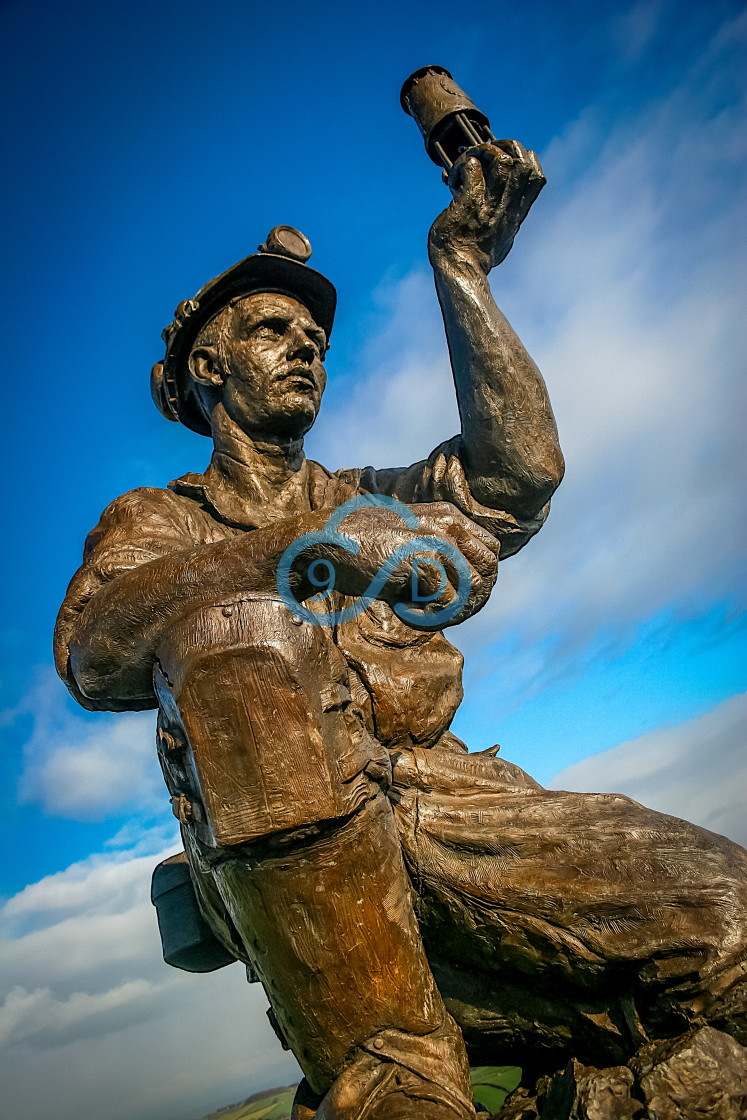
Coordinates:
column 300, row 344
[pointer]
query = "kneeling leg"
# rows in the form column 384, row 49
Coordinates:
column 291, row 834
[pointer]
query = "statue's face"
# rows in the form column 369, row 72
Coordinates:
column 274, row 376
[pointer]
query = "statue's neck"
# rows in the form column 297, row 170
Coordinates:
column 268, row 473
column 240, row 456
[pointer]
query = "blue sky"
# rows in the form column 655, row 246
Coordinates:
column 149, row 147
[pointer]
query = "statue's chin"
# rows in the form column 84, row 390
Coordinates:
column 292, row 423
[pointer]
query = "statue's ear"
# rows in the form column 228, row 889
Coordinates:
column 206, row 366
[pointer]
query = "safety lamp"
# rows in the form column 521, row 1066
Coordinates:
column 449, row 121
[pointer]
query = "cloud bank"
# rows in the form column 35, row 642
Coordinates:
column 89, row 766
column 697, row 770
column 86, row 997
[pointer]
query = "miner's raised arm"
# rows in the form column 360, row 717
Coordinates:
column 509, row 441
column 503, row 467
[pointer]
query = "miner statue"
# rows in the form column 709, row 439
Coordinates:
column 408, row 907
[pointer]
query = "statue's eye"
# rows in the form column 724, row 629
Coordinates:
column 272, row 326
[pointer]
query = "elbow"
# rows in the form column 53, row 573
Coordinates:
column 108, row 681
column 100, row 650
column 534, row 488
column 93, row 675
column 522, row 494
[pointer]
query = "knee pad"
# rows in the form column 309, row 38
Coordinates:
column 261, row 734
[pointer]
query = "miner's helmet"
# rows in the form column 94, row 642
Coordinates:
column 279, row 266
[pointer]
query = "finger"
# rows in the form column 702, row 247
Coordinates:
column 533, row 188
column 537, row 172
column 529, row 164
column 429, row 572
column 474, row 539
column 499, row 169
column 520, row 200
column 428, row 568
column 486, row 566
column 439, row 469
column 446, row 520
column 520, row 206
column 513, row 148
column 471, row 540
column 456, row 483
column 482, row 559
column 478, row 596
column 467, row 183
column 478, row 593
column 471, row 529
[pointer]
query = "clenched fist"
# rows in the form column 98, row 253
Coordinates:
column 493, row 185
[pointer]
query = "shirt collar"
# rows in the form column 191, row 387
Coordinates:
column 221, row 497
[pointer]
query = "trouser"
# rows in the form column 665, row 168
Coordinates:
column 330, row 930
column 563, row 924
column 297, row 861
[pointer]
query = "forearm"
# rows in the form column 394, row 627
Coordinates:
column 510, row 442
column 114, row 643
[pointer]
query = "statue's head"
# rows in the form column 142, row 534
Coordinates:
column 251, row 344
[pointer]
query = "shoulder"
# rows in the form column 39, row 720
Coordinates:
column 143, row 517
column 149, row 500
column 134, row 529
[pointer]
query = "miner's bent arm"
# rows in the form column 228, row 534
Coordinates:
column 141, row 572
column 147, row 565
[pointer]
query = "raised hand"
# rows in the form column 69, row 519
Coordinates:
column 493, row 185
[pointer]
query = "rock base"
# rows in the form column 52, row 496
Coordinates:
column 702, row 1075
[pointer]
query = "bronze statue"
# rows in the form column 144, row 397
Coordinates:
column 405, row 904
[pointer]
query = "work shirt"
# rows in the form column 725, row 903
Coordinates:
column 387, row 657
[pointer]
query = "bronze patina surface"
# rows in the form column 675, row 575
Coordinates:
column 404, row 903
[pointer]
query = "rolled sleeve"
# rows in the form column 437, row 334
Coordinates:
column 442, row 478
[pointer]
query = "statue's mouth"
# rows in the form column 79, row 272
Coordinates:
column 299, row 373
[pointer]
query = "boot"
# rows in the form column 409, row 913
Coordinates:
column 331, row 933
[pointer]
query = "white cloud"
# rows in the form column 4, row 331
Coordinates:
column 74, row 926
column 38, row 1015
column 86, row 997
column 98, row 885
column 87, row 767
column 697, row 770
column 625, row 283
column 633, row 30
